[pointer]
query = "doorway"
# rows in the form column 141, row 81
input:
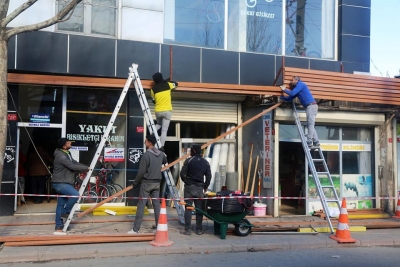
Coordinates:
column 291, row 178
column 36, row 146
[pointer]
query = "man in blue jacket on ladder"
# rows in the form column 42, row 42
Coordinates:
column 300, row 89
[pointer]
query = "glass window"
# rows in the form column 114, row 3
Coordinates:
column 288, row 132
column 88, row 114
column 40, row 100
column 356, row 162
column 310, row 28
column 93, row 17
column 255, row 26
column 356, row 134
column 197, row 23
column 328, row 132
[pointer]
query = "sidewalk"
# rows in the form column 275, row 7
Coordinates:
column 206, row 243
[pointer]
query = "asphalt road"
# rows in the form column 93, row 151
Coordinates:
column 340, row 257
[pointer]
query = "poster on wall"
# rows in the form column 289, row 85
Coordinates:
column 114, row 154
column 312, row 188
column 358, row 185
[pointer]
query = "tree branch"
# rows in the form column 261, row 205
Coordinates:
column 16, row 12
column 59, row 17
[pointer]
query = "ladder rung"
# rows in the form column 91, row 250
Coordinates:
column 323, row 173
column 327, row 186
column 318, row 160
column 332, row 200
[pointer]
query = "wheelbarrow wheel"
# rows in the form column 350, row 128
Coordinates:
column 241, row 229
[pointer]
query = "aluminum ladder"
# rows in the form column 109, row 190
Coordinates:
column 169, row 180
column 133, row 77
column 319, row 160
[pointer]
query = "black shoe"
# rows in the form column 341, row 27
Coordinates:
column 316, row 144
column 199, row 232
column 186, row 232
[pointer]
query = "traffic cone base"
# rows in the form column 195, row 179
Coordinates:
column 397, row 215
column 343, row 230
column 161, row 238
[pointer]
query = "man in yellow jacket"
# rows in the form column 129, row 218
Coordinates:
column 161, row 94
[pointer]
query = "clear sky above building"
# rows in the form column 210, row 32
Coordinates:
column 385, row 38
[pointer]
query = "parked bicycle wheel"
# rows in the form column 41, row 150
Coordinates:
column 89, row 197
column 112, row 190
column 102, row 192
column 120, row 198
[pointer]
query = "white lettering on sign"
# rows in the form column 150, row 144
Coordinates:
column 94, row 137
column 95, row 128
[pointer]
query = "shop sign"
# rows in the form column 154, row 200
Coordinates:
column 40, row 118
column 9, row 154
column 39, row 124
column 268, row 150
column 329, row 147
column 356, row 147
column 12, row 117
column 139, row 129
column 80, row 148
column 135, row 154
column 114, row 154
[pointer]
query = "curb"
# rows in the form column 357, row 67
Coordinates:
column 53, row 253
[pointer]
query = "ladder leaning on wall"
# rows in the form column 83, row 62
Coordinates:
column 133, row 77
column 313, row 162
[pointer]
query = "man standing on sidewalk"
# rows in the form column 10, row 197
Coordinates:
column 300, row 90
column 161, row 95
column 150, row 176
column 192, row 174
column 63, row 181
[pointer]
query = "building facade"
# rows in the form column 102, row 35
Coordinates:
column 235, row 42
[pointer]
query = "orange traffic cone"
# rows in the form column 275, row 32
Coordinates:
column 397, row 215
column 161, row 239
column 343, row 230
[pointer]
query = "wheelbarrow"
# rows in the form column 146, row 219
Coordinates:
column 221, row 221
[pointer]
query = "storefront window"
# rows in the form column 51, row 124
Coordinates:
column 88, row 114
column 356, row 134
column 34, row 100
column 288, row 132
column 197, row 23
column 310, row 28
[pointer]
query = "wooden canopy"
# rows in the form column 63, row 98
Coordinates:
column 324, row 85
column 347, row 87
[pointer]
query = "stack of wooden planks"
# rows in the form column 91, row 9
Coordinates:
column 72, row 239
column 358, row 214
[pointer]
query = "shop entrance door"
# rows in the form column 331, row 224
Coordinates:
column 35, row 141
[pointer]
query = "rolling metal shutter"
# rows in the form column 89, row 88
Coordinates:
column 202, row 111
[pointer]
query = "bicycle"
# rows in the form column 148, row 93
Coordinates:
column 94, row 191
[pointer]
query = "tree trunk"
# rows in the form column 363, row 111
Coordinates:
column 3, row 100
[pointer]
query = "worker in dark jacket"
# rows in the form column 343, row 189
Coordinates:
column 150, row 176
column 193, row 172
column 63, row 181
column 300, row 90
column 161, row 95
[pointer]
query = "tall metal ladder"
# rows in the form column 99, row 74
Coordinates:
column 317, row 175
column 133, row 77
column 174, row 193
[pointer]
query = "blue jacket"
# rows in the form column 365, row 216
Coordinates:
column 302, row 92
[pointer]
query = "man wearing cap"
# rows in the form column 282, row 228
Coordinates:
column 193, row 172
column 63, row 181
column 300, row 90
column 149, row 175
column 161, row 95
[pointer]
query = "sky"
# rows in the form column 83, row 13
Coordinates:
column 385, row 38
